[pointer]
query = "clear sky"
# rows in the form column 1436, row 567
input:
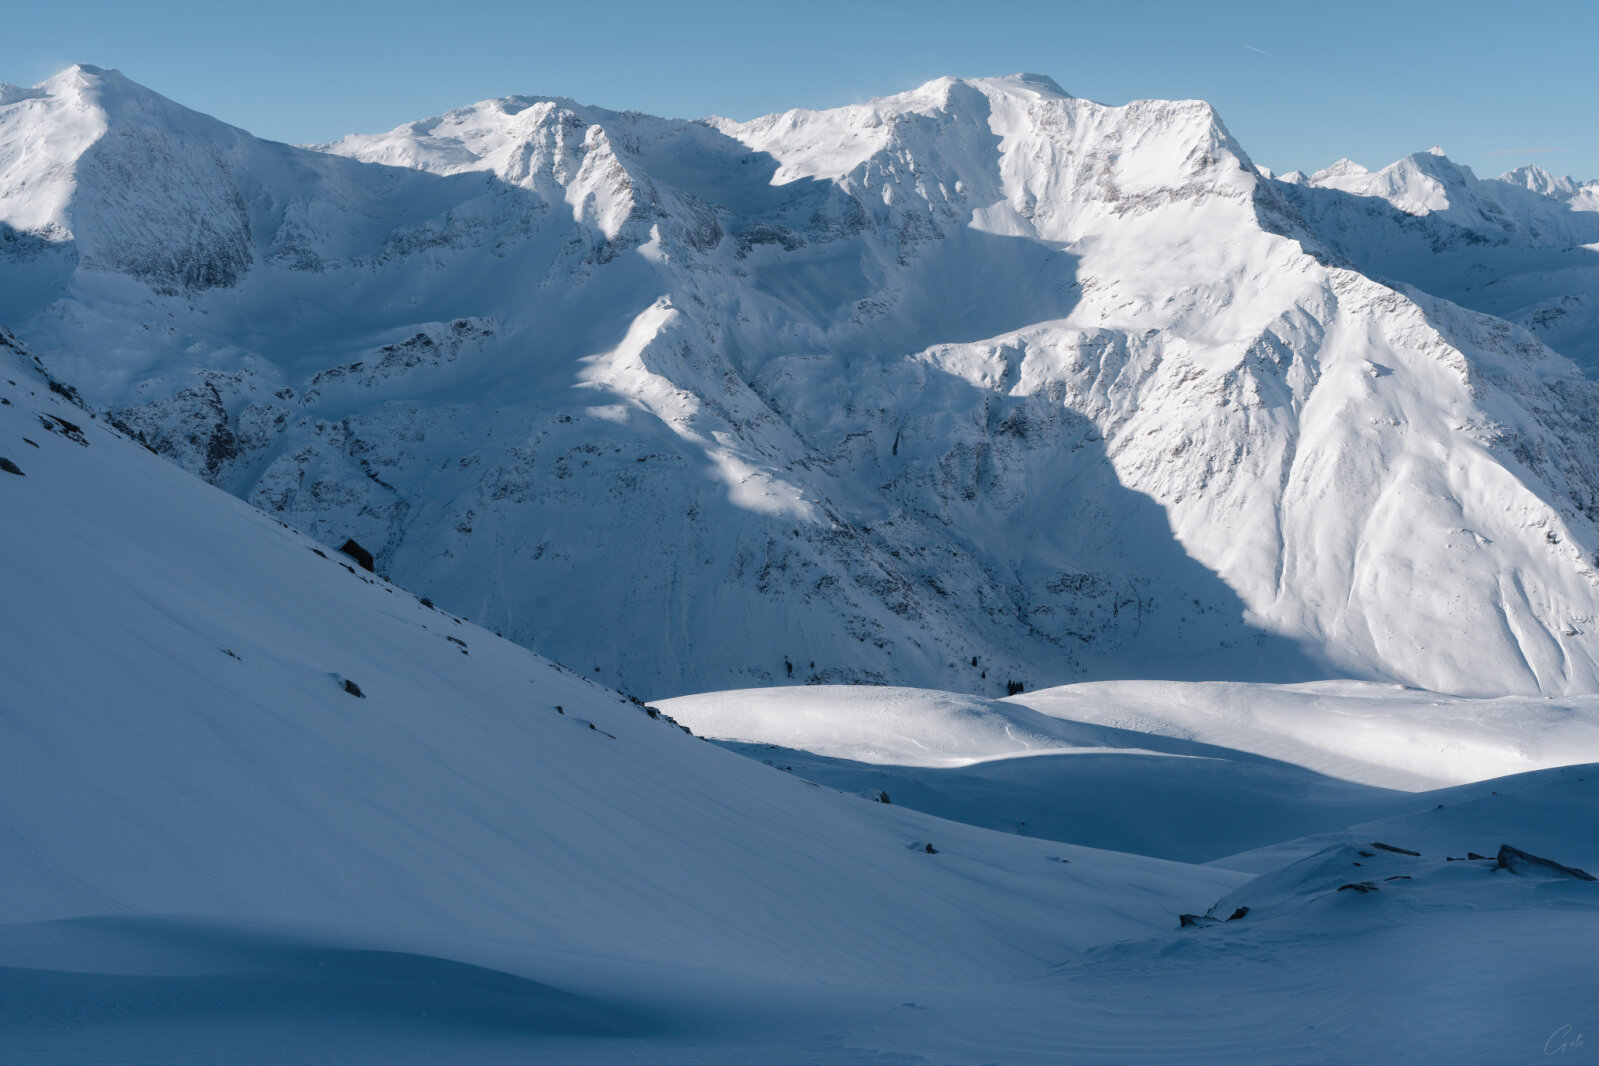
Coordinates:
column 1496, row 84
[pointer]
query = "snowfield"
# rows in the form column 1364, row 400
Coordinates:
column 1273, row 502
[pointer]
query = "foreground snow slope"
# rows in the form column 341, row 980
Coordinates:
column 179, row 738
column 972, row 384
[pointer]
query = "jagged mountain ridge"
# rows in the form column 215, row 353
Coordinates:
column 1523, row 246
column 974, row 383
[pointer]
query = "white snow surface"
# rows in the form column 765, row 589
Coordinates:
column 1191, row 771
column 1386, row 736
column 980, row 371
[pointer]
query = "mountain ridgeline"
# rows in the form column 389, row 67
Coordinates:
column 977, row 384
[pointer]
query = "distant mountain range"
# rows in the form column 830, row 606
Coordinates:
column 977, row 384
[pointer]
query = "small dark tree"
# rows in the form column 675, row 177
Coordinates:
column 1013, row 688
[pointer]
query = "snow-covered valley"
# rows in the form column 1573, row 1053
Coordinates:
column 1277, row 500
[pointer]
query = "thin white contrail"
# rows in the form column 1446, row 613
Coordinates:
column 1262, row 51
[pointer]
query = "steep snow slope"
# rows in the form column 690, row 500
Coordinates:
column 973, row 384
column 1521, row 247
column 181, row 736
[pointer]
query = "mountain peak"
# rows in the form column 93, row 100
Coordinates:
column 122, row 102
column 1040, row 85
column 87, row 80
column 1536, row 179
column 1344, row 167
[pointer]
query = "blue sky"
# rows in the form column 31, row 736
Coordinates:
column 1298, row 84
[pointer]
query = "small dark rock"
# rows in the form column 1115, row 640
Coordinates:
column 67, row 391
column 882, row 797
column 1186, row 921
column 1472, row 855
column 70, row 430
column 1396, row 851
column 1358, row 886
column 353, row 689
column 929, row 849
column 362, row 557
column 1237, row 914
column 11, row 468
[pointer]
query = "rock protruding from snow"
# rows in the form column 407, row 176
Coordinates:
column 1527, row 864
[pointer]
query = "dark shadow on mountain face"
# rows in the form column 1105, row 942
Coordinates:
column 966, row 500
column 1007, row 512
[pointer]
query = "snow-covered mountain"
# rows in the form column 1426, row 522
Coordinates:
column 974, row 384
column 1581, row 195
column 1523, row 246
